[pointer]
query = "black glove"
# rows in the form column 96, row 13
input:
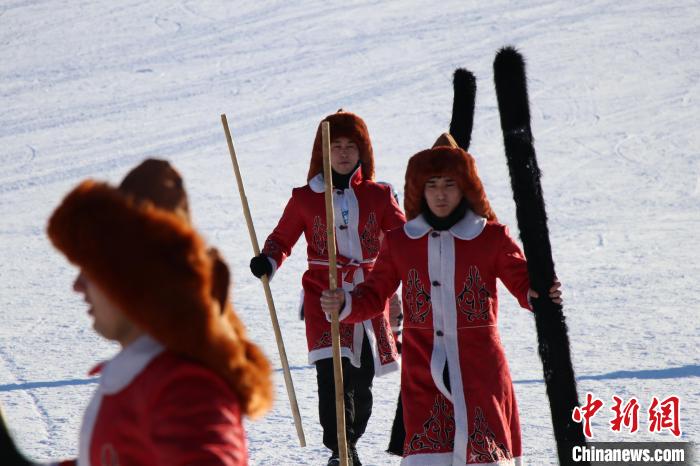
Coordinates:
column 260, row 265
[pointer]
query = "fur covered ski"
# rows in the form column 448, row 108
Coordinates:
column 463, row 107
column 513, row 106
column 464, row 84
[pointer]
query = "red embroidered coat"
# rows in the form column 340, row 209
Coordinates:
column 450, row 321
column 369, row 209
column 153, row 407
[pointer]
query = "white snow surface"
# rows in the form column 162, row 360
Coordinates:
column 89, row 89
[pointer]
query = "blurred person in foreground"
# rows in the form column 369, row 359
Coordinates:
column 186, row 374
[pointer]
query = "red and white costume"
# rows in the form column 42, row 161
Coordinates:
column 154, row 407
column 370, row 209
column 458, row 401
column 450, row 319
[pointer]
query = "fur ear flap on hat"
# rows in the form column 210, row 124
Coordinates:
column 155, row 267
column 348, row 125
column 243, row 360
column 444, row 161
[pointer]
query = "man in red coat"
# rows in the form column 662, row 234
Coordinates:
column 363, row 210
column 186, row 374
column 458, row 399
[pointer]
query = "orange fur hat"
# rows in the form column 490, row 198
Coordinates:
column 351, row 126
column 444, row 160
column 136, row 243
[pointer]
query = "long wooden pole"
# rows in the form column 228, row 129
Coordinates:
column 266, row 286
column 332, row 285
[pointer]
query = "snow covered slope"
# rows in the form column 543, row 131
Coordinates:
column 88, row 89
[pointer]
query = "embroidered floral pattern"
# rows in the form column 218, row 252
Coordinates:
column 320, row 241
column 482, row 442
column 438, row 431
column 271, row 248
column 323, row 341
column 346, row 335
column 417, row 300
column 474, row 299
column 370, row 236
column 108, row 455
column 346, row 338
column 387, row 351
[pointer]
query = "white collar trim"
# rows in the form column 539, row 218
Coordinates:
column 318, row 184
column 416, row 227
column 469, row 227
column 121, row 370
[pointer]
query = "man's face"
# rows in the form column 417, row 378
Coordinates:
column 344, row 155
column 108, row 320
column 442, row 195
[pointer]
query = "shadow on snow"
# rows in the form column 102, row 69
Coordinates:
column 54, row 383
column 691, row 370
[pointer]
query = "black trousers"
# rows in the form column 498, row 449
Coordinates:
column 357, row 385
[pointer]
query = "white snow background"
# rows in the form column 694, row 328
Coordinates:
column 89, row 89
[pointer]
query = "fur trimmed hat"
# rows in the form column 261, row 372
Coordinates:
column 136, row 243
column 444, row 160
column 348, row 125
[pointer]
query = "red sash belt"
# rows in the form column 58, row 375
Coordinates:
column 345, row 265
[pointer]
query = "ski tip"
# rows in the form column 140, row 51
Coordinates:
column 464, row 78
column 463, row 107
column 508, row 58
column 511, row 91
column 509, row 71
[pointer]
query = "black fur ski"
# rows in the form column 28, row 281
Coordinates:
column 513, row 106
column 462, row 122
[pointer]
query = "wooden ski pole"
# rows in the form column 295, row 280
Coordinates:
column 332, row 285
column 266, row 286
